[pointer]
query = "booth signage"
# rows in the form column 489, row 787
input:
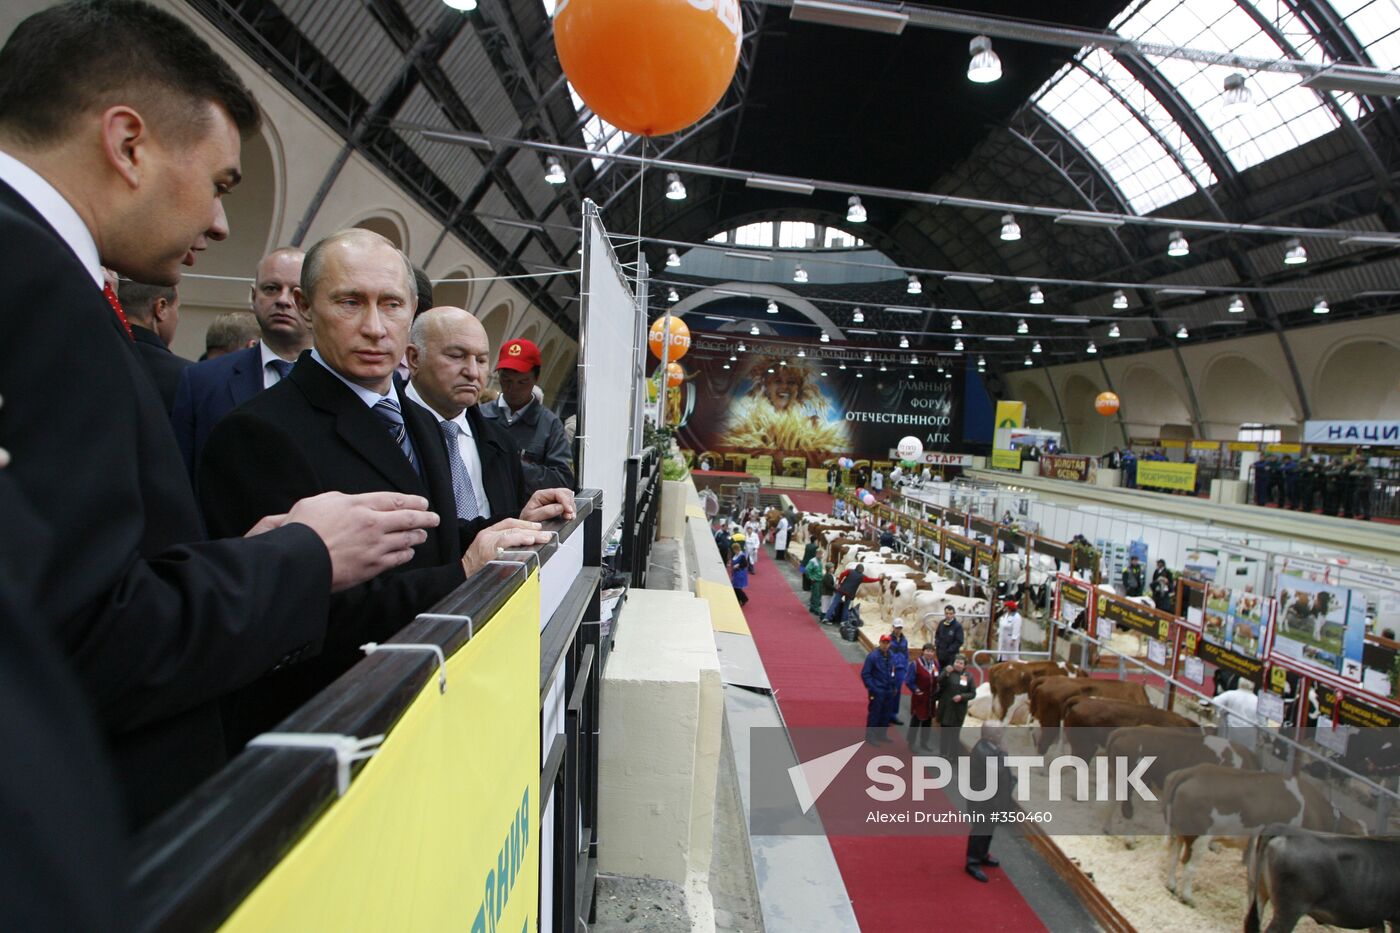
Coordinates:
column 1075, row 469
column 1164, row 475
column 1293, row 449
column 938, row 458
column 1073, row 594
column 1243, row 446
column 1351, row 432
column 1223, row 657
column 1176, row 444
column 1353, row 712
column 1011, row 415
column 1205, row 445
column 1136, row 617
column 959, row 545
column 1006, row 460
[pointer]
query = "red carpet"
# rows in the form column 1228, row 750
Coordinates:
column 895, row 883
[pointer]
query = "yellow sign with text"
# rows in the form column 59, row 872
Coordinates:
column 1006, row 460
column 1293, row 449
column 440, row 829
column 1163, row 475
column 1011, row 414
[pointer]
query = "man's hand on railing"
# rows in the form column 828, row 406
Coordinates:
column 502, row 536
column 365, row 534
column 549, row 503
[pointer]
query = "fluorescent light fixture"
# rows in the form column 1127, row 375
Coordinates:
column 1037, row 296
column 673, row 296
column 958, row 344
column 1181, row 333
column 969, row 279
column 1091, row 348
column 720, row 317
column 741, row 254
column 1237, row 101
column 863, row 332
column 956, row 323
column 672, row 258
column 1010, row 229
column 675, row 191
column 1035, row 347
column 1354, row 79
column 903, row 343
column 1087, row 219
column 858, row 316
column 1371, row 239
column 1236, row 304
column 799, row 275
column 1192, row 292
column 1120, row 300
column 474, row 140
column 849, row 15
column 1071, row 320
column 554, row 172
column 915, row 287
column 1022, row 327
column 1294, row 253
column 1321, row 306
column 1000, row 339
column 464, row 6
column 985, row 66
column 898, row 310
column 855, row 211
column 778, row 184
column 1114, row 332
column 1177, row 245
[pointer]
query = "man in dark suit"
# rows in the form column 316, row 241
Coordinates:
column 339, row 421
column 154, row 313
column 449, row 356
column 216, row 387
column 132, row 151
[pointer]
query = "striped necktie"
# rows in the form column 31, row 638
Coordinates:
column 388, row 411
column 462, row 488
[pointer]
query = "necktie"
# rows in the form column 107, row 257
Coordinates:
column 462, row 489
column 282, row 367
column 111, row 297
column 388, row 411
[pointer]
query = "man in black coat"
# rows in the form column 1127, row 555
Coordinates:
column 154, row 313
column 340, row 421
column 948, row 637
column 1134, row 577
column 986, row 762
column 123, row 162
column 955, row 691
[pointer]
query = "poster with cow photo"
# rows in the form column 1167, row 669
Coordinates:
column 1248, row 613
column 1216, row 624
column 1320, row 623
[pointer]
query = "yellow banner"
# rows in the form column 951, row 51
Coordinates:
column 1243, row 445
column 1011, row 415
column 1173, row 445
column 440, row 829
column 1205, row 445
column 1167, row 475
column 1006, row 460
column 1293, row 449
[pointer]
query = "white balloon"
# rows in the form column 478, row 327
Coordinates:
column 910, row 448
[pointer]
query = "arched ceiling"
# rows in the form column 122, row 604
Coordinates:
column 838, row 104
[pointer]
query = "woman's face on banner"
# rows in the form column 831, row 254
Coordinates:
column 783, row 388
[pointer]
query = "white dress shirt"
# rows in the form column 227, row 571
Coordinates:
column 368, row 396
column 54, row 208
column 466, row 447
column 270, row 374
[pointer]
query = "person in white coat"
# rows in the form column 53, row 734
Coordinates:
column 780, row 539
column 1009, row 632
column 753, row 534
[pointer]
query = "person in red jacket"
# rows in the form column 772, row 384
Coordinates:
column 923, row 687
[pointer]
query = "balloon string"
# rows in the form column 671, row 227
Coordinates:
column 641, row 199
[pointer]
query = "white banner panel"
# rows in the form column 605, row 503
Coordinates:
column 1352, row 432
column 937, row 458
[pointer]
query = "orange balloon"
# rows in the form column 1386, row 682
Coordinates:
column 650, row 67
column 1106, row 403
column 675, row 375
column 680, row 338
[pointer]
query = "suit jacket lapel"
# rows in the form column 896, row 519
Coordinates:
column 432, row 455
column 495, row 466
column 247, row 376
column 356, row 424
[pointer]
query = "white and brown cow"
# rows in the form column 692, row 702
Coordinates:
column 1171, row 750
column 1343, row 881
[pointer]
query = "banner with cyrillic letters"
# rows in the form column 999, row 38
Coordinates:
column 1386, row 433
column 1006, row 460
column 440, row 829
column 1163, row 474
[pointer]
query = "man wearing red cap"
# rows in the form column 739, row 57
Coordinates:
column 546, row 457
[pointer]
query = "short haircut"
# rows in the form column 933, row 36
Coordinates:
column 83, row 56
column 425, row 290
column 139, row 299
column 316, row 258
column 928, row 647
column 231, row 331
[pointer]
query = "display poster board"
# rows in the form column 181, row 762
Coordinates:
column 1320, row 624
column 1160, row 474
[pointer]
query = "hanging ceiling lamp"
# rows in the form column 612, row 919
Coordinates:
column 1022, row 327
column 1037, row 296
column 554, row 172
column 1294, row 254
column 753, row 329
column 1113, row 331
column 1091, row 348
column 1120, row 301
column 1181, row 333
column 956, row 323
column 1177, row 245
column 858, row 317
column 855, row 211
column 1035, row 347
column 675, row 191
column 672, row 258
column 825, row 338
column 915, row 286
column 1010, row 229
column 772, row 306
column 903, row 343
column 985, row 66
column 958, row 344
column 799, row 274
column 1321, row 306
column 672, row 296
column 1236, row 304
column 1237, row 100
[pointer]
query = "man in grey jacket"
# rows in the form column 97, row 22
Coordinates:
column 546, row 456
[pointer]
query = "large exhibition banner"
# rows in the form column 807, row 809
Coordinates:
column 777, row 403
column 1165, row 475
column 1063, row 466
column 1352, row 432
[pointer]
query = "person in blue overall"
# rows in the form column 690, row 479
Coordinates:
column 739, row 572
column 882, row 691
column 1262, row 479
column 899, row 653
column 1129, row 468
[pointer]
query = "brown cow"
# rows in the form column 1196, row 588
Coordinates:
column 1010, row 679
column 1088, row 720
column 1209, row 800
column 1049, row 695
column 1171, row 750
